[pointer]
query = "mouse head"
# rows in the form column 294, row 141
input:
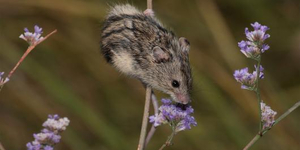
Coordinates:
column 171, row 72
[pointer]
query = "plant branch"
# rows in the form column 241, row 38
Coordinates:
column 29, row 49
column 155, row 104
column 257, row 137
column 287, row 112
column 261, row 133
column 169, row 141
column 1, row 147
column 258, row 92
column 141, row 145
column 153, row 128
column 149, row 4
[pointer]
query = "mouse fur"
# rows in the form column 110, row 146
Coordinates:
column 138, row 45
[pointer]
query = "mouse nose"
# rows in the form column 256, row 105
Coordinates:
column 182, row 98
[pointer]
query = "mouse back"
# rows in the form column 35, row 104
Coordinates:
column 139, row 46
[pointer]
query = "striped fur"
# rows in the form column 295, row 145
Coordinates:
column 127, row 41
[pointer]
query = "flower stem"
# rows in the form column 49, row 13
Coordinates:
column 153, row 128
column 169, row 140
column 149, row 4
column 29, row 49
column 287, row 112
column 261, row 133
column 257, row 137
column 258, row 92
column 141, row 145
column 0, row 91
column 1, row 147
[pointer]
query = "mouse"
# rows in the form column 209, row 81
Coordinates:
column 138, row 45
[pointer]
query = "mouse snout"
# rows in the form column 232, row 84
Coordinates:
column 182, row 98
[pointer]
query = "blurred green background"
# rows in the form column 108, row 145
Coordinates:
column 67, row 75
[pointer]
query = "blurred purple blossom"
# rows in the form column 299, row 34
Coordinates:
column 3, row 80
column 179, row 119
column 255, row 44
column 267, row 116
column 49, row 136
column 247, row 79
column 32, row 38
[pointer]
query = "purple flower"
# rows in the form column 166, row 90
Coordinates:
column 32, row 38
column 175, row 116
column 261, row 69
column 3, row 80
column 157, row 119
column 255, row 44
column 48, row 148
column 37, row 30
column 264, row 48
column 56, row 123
column 166, row 101
column 247, row 79
column 267, row 116
column 49, row 136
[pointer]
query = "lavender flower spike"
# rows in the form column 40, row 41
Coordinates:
column 3, row 80
column 175, row 116
column 255, row 44
column 49, row 136
column 247, row 79
column 267, row 116
column 32, row 38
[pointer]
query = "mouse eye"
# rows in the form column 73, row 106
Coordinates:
column 175, row 84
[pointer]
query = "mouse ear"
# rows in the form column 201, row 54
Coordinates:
column 184, row 44
column 160, row 55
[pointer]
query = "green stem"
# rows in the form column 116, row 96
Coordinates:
column 0, row 91
column 261, row 133
column 287, row 113
column 258, row 92
column 257, row 137
column 169, row 140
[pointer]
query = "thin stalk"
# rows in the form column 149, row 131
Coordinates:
column 142, row 141
column 261, row 133
column 169, row 140
column 153, row 128
column 287, row 112
column 29, row 49
column 258, row 92
column 257, row 137
column 141, row 145
column 149, row 4
column 1, row 147
column 1, row 90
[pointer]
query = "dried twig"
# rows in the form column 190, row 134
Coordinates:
column 149, row 4
column 141, row 145
column 152, row 130
column 1, row 147
column 29, row 49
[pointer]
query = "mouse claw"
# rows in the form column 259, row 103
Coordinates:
column 149, row 12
